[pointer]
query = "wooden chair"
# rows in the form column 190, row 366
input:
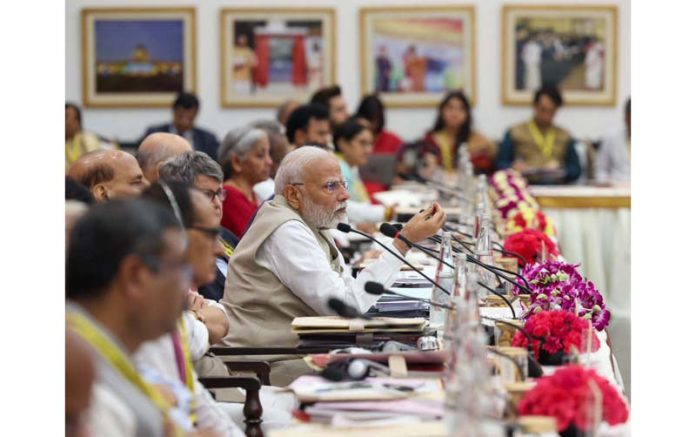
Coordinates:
column 253, row 410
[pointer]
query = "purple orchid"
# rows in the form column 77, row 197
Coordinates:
column 557, row 285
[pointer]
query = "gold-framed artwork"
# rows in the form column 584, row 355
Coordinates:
column 572, row 47
column 269, row 55
column 137, row 57
column 412, row 56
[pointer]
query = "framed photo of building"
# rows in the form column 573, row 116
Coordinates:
column 412, row 56
column 270, row 55
column 571, row 47
column 137, row 57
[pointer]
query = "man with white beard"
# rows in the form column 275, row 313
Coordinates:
column 287, row 265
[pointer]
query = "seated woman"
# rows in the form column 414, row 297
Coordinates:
column 454, row 127
column 353, row 142
column 245, row 161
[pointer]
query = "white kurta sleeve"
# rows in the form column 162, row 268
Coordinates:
column 293, row 254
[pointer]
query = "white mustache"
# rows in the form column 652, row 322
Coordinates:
column 341, row 206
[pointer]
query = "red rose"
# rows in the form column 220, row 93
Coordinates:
column 566, row 395
column 528, row 244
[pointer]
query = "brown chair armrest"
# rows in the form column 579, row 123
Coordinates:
column 228, row 351
column 262, row 369
column 252, row 404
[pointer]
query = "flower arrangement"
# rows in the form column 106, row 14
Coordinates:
column 558, row 285
column 558, row 331
column 529, row 243
column 530, row 219
column 511, row 193
column 566, row 395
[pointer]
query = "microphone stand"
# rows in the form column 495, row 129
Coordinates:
column 344, row 227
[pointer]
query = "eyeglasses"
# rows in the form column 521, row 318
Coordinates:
column 330, row 187
column 213, row 232
column 220, row 193
column 182, row 267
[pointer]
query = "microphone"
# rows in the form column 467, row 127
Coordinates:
column 344, row 310
column 344, row 227
column 391, row 231
column 534, row 367
column 438, row 186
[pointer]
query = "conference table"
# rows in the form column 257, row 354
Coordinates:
column 593, row 225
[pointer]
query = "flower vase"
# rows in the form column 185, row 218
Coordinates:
column 554, row 359
column 571, row 431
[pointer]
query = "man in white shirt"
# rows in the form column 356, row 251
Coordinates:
column 614, row 155
column 287, row 265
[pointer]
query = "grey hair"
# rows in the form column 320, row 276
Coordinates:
column 238, row 142
column 185, row 168
column 292, row 168
column 271, row 127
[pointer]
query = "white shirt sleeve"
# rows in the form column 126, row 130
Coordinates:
column 293, row 254
column 198, row 336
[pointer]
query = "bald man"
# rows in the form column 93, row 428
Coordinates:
column 79, row 376
column 157, row 148
column 109, row 174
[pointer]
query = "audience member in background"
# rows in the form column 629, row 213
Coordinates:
column 79, row 377
column 331, row 98
column 614, row 155
column 245, row 161
column 354, row 145
column 452, row 128
column 168, row 362
column 198, row 170
column 542, row 151
column 288, row 266
column 372, row 109
column 284, row 111
column 279, row 148
column 126, row 279
column 308, row 123
column 76, row 191
column 185, row 111
column 109, row 174
column 77, row 141
column 157, row 148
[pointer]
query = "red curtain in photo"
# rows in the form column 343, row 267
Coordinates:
column 263, row 58
column 299, row 63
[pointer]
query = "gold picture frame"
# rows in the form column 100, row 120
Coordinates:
column 137, row 57
column 574, row 47
column 412, row 56
column 269, row 55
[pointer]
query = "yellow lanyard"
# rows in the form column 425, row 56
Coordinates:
column 545, row 143
column 113, row 355
column 443, row 142
column 188, row 368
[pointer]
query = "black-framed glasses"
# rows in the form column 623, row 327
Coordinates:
column 213, row 232
column 330, row 187
column 219, row 193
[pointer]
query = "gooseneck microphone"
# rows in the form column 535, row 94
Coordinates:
column 535, row 370
column 344, row 227
column 344, row 310
column 390, row 231
column 436, row 185
column 500, row 295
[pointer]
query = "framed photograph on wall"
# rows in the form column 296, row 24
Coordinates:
column 137, row 57
column 271, row 55
column 571, row 47
column 412, row 56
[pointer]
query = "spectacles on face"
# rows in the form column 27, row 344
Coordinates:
column 182, row 267
column 330, row 187
column 213, row 232
column 219, row 193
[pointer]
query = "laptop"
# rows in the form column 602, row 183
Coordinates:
column 379, row 168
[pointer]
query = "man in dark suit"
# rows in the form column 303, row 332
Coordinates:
column 185, row 111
